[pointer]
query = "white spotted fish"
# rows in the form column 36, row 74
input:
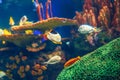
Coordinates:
column 53, row 60
column 90, row 32
column 55, row 37
column 86, row 29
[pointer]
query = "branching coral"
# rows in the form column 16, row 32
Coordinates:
column 104, row 14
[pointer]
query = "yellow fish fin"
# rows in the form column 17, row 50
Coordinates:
column 11, row 21
column 28, row 32
column 6, row 32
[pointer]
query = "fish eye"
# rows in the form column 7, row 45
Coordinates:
column 53, row 32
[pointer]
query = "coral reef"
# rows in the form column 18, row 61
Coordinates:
column 22, row 40
column 22, row 67
column 103, row 63
column 104, row 14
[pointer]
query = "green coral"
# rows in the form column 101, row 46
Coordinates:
column 101, row 64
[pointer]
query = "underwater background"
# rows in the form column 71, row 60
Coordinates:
column 26, row 53
column 61, row 8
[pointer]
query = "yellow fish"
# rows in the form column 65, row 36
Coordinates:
column 28, row 32
column 11, row 21
column 6, row 32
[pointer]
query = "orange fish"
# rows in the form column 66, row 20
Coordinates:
column 71, row 61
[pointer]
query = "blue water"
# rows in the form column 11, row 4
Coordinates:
column 16, row 9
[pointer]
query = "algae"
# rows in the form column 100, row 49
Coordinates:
column 101, row 64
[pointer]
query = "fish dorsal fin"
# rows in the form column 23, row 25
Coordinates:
column 78, row 57
column 11, row 21
column 53, row 31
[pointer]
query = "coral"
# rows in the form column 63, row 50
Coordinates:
column 32, row 49
column 101, row 13
column 103, row 63
column 21, row 66
column 20, row 40
column 27, row 68
column 23, row 40
column 47, row 24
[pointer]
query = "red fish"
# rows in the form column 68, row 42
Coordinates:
column 71, row 61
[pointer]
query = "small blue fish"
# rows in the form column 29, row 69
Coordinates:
column 37, row 32
column 43, row 40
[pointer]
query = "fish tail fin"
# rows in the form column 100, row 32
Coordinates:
column 97, row 29
column 78, row 57
column 45, row 63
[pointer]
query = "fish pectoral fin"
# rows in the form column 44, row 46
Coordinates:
column 57, row 42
